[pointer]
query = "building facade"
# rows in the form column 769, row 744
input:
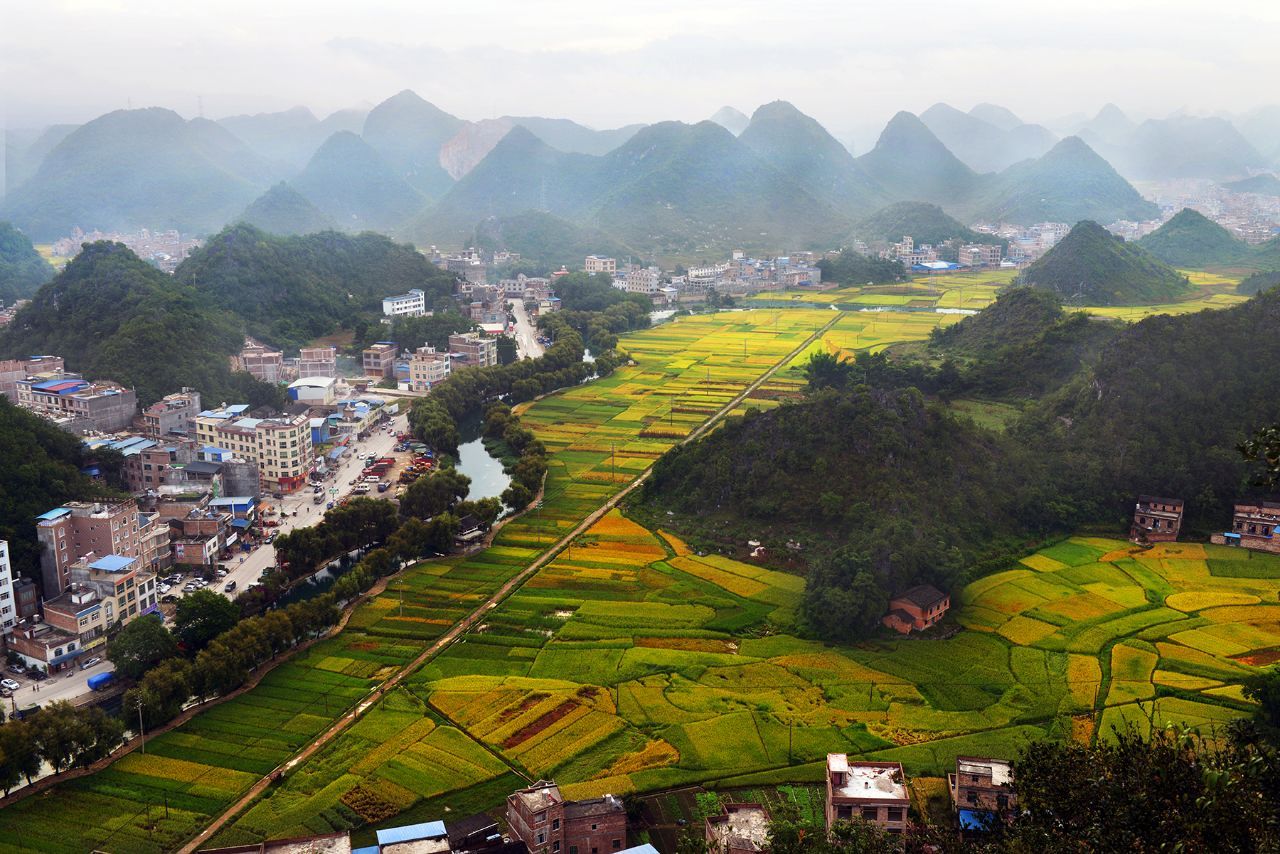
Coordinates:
column 471, row 350
column 981, row 789
column 78, row 528
column 280, row 446
column 980, row 255
column 412, row 304
column 1255, row 524
column 875, row 791
column 600, row 264
column 8, row 602
column 546, row 823
column 317, row 362
column 103, row 591
column 265, row 365
column 172, row 414
column 13, row 370
column 380, row 359
column 1156, row 520
column 428, row 368
column 916, row 609
column 79, row 405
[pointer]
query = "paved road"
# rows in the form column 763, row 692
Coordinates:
column 526, row 334
column 465, row 624
column 60, row 686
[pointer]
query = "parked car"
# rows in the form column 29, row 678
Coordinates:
column 18, row 669
column 90, row 662
column 229, row 587
column 11, row 684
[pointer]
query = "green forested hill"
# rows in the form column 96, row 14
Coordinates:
column 113, row 316
column 854, row 268
column 22, row 270
column 1265, row 184
column 356, row 187
column 1092, row 266
column 283, row 210
column 40, row 469
column 289, row 290
column 546, row 239
column 912, row 164
column 925, row 223
column 1190, row 239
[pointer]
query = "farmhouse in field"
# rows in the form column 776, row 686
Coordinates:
column 742, row 828
column 876, row 791
column 548, row 824
column 916, row 609
column 981, row 790
column 1156, row 520
column 1254, row 525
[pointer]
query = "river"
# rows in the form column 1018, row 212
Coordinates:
column 488, row 480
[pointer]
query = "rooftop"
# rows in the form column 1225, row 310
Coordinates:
column 540, row 795
column 923, row 595
column 413, row 832
column 867, row 780
column 595, row 806
column 999, row 770
column 748, row 824
column 113, row 563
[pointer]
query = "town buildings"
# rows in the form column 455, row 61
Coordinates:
column 916, row 609
column 281, row 445
column 412, row 304
column 541, row 818
column 171, row 414
column 742, row 828
column 317, row 362
column 1255, row 524
column 909, row 253
column 981, row 790
column 1156, row 520
column 380, row 360
column 78, row 528
column 471, row 350
column 640, row 280
column 77, row 405
column 13, row 370
column 264, row 365
column 316, row 391
column 38, row 645
column 102, row 591
column 428, row 368
column 980, row 255
column 600, row 264
column 875, row 791
column 8, row 604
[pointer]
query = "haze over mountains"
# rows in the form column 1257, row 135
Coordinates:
column 778, row 178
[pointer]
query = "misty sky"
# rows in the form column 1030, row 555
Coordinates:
column 849, row 64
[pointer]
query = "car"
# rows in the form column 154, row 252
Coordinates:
column 164, row 588
column 90, row 662
column 229, row 587
column 222, row 573
column 11, row 684
column 18, row 669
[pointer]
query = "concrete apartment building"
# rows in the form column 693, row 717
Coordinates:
column 79, row 528
column 916, row 609
column 742, row 828
column 317, row 362
column 171, row 414
column 102, row 591
column 981, row 790
column 78, row 405
column 13, row 370
column 640, row 280
column 280, row 446
column 428, row 368
column 1156, row 520
column 980, row 255
column 876, row 791
column 380, row 359
column 8, row 603
column 471, row 349
column 600, row 264
column 264, row 365
column 412, row 304
column 546, row 823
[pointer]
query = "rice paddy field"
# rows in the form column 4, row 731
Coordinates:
column 975, row 291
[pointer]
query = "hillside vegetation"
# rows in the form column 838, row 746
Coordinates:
column 1190, row 239
column 545, row 239
column 288, row 291
column 925, row 223
column 283, row 210
column 1092, row 266
column 113, row 316
column 22, row 269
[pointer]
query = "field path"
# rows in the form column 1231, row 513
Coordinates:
column 462, row 626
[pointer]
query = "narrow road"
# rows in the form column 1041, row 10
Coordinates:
column 527, row 345
column 447, row 639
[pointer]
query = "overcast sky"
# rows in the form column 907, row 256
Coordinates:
column 849, row 63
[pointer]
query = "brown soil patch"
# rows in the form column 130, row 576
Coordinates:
column 525, row 705
column 1259, row 657
column 686, row 644
column 536, row 726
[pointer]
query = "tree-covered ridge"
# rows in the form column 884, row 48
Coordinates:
column 113, row 316
column 546, row 240
column 22, row 269
column 1256, row 283
column 288, row 291
column 283, row 210
column 1190, row 239
column 39, row 468
column 1092, row 266
column 923, row 222
column 1265, row 184
column 854, row 268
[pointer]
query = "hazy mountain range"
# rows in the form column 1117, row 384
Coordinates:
column 774, row 179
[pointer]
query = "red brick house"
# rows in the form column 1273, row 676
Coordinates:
column 874, row 791
column 981, row 791
column 916, row 609
column 541, row 818
column 1156, row 520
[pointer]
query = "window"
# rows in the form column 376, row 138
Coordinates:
column 555, row 846
column 971, row 796
column 870, row 813
column 542, row 837
column 1002, row 802
column 555, row 824
column 895, row 813
column 593, row 827
column 617, row 844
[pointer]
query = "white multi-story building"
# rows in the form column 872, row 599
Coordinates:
column 600, row 264
column 281, row 446
column 428, row 368
column 8, row 606
column 640, row 280
column 412, row 304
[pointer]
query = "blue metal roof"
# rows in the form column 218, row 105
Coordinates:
column 371, row 849
column 56, row 513
column 112, row 563
column 412, row 832
column 975, row 819
column 640, row 849
column 239, row 523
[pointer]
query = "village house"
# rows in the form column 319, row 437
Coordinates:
column 78, row 528
column 875, row 791
column 600, row 264
column 981, row 790
column 1156, row 520
column 471, row 350
column 13, row 370
column 545, row 822
column 916, row 609
column 77, row 405
column 379, row 360
column 262, row 364
column 317, row 362
column 412, row 304
column 101, row 592
column 281, row 446
column 428, row 368
column 171, row 414
column 1255, row 525
column 742, row 828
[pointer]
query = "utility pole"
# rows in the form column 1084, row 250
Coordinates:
column 141, row 733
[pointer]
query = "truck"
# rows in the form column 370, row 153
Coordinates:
column 317, row 498
column 100, row 681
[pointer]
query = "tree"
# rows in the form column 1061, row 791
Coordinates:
column 1264, row 689
column 57, row 730
column 140, row 645
column 218, row 669
column 1264, row 447
column 843, row 600
column 434, row 494
column 96, row 735
column 506, row 348
column 826, row 370
column 19, row 754
column 162, row 692
column 202, row 616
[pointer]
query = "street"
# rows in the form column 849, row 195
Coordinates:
column 59, row 686
column 527, row 345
